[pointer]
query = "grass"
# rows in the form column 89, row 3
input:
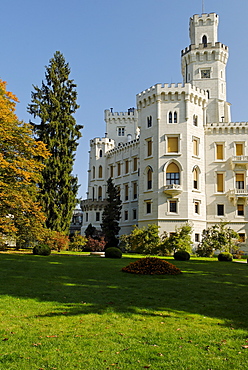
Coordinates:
column 77, row 312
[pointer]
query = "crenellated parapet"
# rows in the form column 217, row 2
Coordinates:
column 171, row 92
column 226, row 128
column 201, row 52
column 122, row 147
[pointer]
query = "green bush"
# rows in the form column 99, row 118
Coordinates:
column 42, row 250
column 181, row 256
column 113, row 252
column 225, row 256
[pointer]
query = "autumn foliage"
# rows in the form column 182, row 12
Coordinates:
column 21, row 216
column 152, row 266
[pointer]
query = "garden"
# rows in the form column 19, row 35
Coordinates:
column 82, row 312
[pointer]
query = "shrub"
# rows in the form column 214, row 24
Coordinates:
column 42, row 250
column 113, row 252
column 96, row 245
column 204, row 250
column 181, row 256
column 225, row 256
column 152, row 266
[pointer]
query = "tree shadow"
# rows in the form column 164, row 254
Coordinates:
column 85, row 285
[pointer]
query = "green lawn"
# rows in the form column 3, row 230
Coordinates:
column 77, row 312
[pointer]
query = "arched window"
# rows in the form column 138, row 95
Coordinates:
column 149, row 179
column 195, row 178
column 172, row 174
column 175, row 117
column 100, row 172
column 208, row 94
column 195, row 121
column 205, row 41
column 100, row 153
column 100, row 193
column 170, row 117
column 93, row 172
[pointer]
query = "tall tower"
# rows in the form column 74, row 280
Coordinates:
column 203, row 65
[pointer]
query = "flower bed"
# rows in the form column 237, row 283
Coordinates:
column 152, row 266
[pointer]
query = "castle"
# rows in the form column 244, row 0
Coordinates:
column 177, row 157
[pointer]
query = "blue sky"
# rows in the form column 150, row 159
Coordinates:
column 115, row 49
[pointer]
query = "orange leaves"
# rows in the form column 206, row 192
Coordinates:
column 19, row 172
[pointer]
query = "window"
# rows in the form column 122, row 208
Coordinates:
column 173, row 206
column 126, row 166
column 220, row 209
column 97, row 216
column 149, row 179
column 205, row 41
column 240, row 210
column 100, row 153
column 195, row 178
column 175, row 117
column 170, row 117
column 125, row 215
column 197, row 238
column 134, row 214
column 87, row 217
column 121, row 131
column 126, row 191
column 172, row 144
column 111, row 171
column 195, row 120
column 149, row 121
column 93, row 193
column 135, row 163
column 241, row 238
column 118, row 169
column 220, row 182
column 100, row 193
column 239, row 149
column 219, row 151
column 197, row 208
column 196, row 147
column 149, row 207
column 172, row 174
column 100, row 172
column 240, row 183
column 93, row 172
column 135, row 190
column 119, row 192
column 149, row 147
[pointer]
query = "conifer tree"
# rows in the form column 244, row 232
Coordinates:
column 111, row 215
column 54, row 104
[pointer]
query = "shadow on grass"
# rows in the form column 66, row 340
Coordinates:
column 85, row 285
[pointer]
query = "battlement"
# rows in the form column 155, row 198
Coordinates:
column 159, row 89
column 204, row 48
column 227, row 128
column 205, row 19
column 131, row 113
column 121, row 146
column 103, row 141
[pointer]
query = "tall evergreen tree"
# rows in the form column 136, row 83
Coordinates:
column 54, row 103
column 111, row 215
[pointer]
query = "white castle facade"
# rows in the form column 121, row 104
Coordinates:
column 177, row 157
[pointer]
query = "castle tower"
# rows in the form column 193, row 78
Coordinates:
column 203, row 65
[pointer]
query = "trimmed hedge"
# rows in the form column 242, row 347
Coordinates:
column 113, row 252
column 42, row 250
column 152, row 266
column 181, row 256
column 225, row 256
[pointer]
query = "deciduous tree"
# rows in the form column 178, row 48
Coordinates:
column 21, row 217
column 54, row 104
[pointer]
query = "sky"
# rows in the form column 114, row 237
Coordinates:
column 115, row 50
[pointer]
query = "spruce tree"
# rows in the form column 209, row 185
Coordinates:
column 111, row 215
column 54, row 104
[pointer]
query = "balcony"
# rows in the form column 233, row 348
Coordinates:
column 240, row 160
column 90, row 204
column 237, row 194
column 173, row 189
